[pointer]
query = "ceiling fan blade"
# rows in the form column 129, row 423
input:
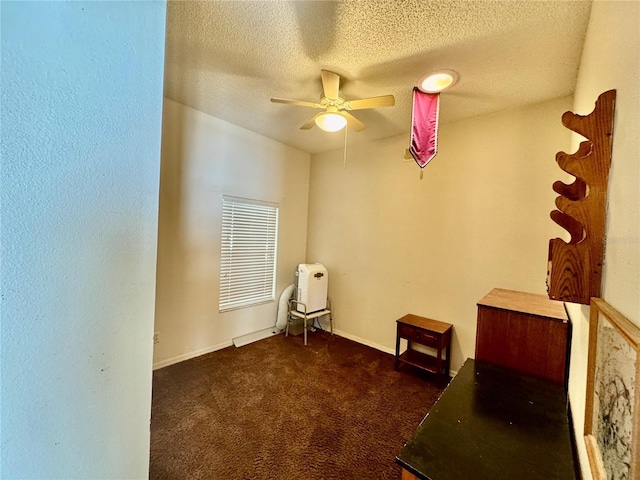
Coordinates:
column 373, row 102
column 330, row 84
column 311, row 123
column 300, row 103
column 353, row 122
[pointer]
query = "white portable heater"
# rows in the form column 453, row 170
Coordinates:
column 312, row 284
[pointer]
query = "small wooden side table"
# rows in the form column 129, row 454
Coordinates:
column 427, row 332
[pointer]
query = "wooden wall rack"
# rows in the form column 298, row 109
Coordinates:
column 574, row 269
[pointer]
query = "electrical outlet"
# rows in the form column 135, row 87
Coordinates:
column 156, row 337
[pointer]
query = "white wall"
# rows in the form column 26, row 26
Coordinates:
column 610, row 61
column 395, row 244
column 81, row 117
column 204, row 158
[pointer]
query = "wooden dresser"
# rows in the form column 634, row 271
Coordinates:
column 525, row 332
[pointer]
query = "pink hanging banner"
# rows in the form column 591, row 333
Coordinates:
column 424, row 127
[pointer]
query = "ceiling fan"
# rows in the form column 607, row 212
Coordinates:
column 335, row 115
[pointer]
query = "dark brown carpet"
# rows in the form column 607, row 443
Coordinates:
column 276, row 409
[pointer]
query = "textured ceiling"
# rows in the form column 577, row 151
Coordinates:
column 228, row 58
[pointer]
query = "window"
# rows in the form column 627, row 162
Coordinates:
column 248, row 253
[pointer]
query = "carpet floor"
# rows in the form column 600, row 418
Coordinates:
column 276, row 409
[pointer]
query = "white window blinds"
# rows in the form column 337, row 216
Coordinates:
column 248, row 253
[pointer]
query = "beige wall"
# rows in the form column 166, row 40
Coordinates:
column 204, row 158
column 610, row 61
column 395, row 244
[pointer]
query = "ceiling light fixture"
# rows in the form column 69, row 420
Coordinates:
column 438, row 81
column 331, row 121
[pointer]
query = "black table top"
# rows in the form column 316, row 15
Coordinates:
column 493, row 423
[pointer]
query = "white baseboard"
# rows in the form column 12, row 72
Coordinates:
column 190, row 355
column 377, row 346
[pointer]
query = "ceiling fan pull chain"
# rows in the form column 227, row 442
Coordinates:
column 344, row 158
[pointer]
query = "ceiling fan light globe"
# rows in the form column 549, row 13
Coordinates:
column 331, row 122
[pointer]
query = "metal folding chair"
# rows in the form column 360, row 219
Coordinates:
column 293, row 313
